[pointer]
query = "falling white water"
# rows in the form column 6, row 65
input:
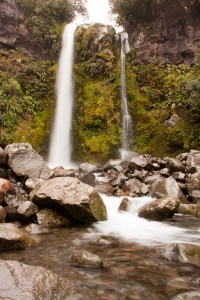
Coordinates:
column 60, row 146
column 129, row 227
column 127, row 132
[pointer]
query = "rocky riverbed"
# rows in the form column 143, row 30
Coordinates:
column 41, row 208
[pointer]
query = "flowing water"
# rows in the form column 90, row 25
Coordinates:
column 127, row 131
column 141, row 260
column 60, row 146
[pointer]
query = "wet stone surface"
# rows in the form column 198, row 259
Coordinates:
column 131, row 271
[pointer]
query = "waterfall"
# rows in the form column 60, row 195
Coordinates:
column 127, row 132
column 60, row 146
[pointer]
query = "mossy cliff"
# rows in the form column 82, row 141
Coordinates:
column 163, row 100
column 30, row 41
column 97, row 110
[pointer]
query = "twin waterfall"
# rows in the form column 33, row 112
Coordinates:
column 127, row 131
column 61, row 144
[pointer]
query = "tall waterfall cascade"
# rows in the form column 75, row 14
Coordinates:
column 60, row 145
column 127, row 131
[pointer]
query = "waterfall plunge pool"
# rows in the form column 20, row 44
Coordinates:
column 142, row 259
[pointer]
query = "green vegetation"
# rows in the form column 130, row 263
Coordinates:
column 97, row 132
column 137, row 12
column 164, row 104
column 44, row 21
column 27, row 99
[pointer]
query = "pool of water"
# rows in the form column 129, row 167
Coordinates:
column 141, row 269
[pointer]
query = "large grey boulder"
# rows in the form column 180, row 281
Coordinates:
column 12, row 238
column 75, row 199
column 160, row 209
column 167, row 187
column 24, row 282
column 25, row 161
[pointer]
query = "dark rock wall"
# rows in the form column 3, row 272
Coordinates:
column 172, row 36
column 9, row 21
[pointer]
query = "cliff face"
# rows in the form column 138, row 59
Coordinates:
column 172, row 36
column 9, row 21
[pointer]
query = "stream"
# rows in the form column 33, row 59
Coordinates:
column 142, row 259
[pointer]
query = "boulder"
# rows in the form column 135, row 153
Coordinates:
column 186, row 253
column 179, row 176
column 193, row 295
column 193, row 185
column 119, row 180
column 32, row 183
column 135, row 187
column 61, row 172
column 87, row 168
column 125, row 203
column 167, row 187
column 112, row 163
column 86, row 258
column 193, row 159
column 25, row 161
column 189, row 209
column 5, row 186
column 138, row 163
column 27, row 210
column 160, row 209
column 75, row 199
column 24, row 282
column 49, row 218
column 2, row 214
column 104, row 188
column 174, row 165
column 12, row 238
column 88, row 178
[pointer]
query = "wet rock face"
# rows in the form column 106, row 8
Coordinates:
column 160, row 209
column 20, row 281
column 86, row 258
column 77, row 200
column 172, row 37
column 9, row 18
column 25, row 161
column 12, row 238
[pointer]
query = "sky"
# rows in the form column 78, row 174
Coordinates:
column 99, row 12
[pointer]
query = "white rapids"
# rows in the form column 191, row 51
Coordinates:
column 129, row 227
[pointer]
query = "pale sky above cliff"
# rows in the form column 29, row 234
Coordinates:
column 99, row 12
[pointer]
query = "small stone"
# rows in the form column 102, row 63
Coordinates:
column 86, row 258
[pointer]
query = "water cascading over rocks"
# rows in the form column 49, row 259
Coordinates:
column 127, row 131
column 60, row 147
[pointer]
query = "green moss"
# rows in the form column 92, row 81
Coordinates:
column 97, row 120
column 27, row 100
column 151, row 91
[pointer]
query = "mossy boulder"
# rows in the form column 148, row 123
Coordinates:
column 79, row 201
column 12, row 238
